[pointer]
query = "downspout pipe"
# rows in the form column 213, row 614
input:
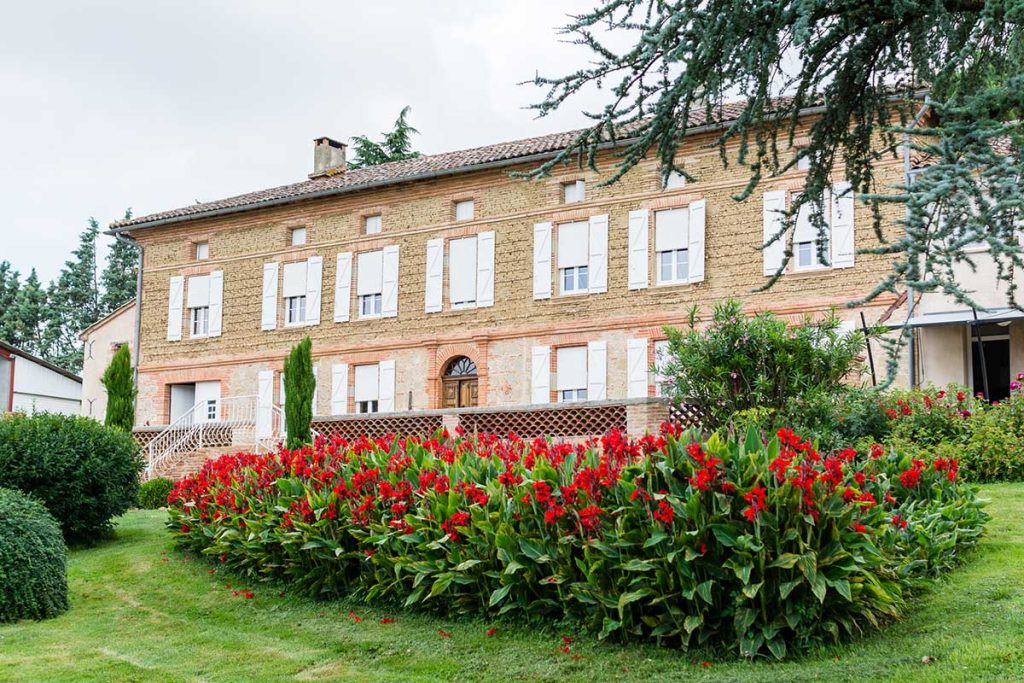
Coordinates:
column 137, row 344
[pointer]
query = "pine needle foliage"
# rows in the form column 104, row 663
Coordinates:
column 945, row 78
column 299, row 385
column 395, row 146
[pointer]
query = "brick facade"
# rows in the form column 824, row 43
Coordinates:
column 497, row 338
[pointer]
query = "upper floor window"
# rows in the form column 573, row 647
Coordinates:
column 298, row 236
column 464, row 210
column 806, row 239
column 202, row 251
column 675, row 180
column 372, row 224
column 294, row 293
column 571, row 373
column 573, row 252
column 574, row 191
column 462, row 272
column 671, row 245
column 370, row 284
column 199, row 305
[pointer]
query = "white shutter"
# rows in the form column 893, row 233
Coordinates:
column 339, row 389
column 597, row 370
column 485, row 269
column 216, row 303
column 598, row 258
column 343, row 287
column 269, row 320
column 573, row 244
column 842, row 226
column 540, row 385
column 696, row 248
column 389, row 280
column 638, row 250
column 369, row 279
column 367, row 384
column 387, row 387
column 435, row 276
column 314, row 285
column 542, row 261
column 571, row 368
column 198, row 294
column 671, row 230
column 174, row 301
column 636, row 368
column 774, row 209
column 264, row 404
column 316, row 387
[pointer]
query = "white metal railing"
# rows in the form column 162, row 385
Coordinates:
column 233, row 422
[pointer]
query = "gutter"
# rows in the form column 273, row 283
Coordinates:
column 430, row 175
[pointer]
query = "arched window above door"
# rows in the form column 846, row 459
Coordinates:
column 460, row 366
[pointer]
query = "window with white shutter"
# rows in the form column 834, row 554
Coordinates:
column 843, row 242
column 343, row 287
column 571, row 373
column 806, row 239
column 696, row 244
column 672, row 245
column 574, row 257
column 638, row 244
column 773, row 208
column 199, row 305
column 540, row 374
column 269, row 317
column 434, row 289
column 314, row 285
column 386, row 390
column 389, row 282
column 175, row 298
column 636, row 368
column 462, row 256
column 367, row 388
column 370, row 284
column 597, row 254
column 597, row 370
column 485, row 269
column 264, row 404
column 216, row 322
column 339, row 389
column 293, row 290
column 542, row 261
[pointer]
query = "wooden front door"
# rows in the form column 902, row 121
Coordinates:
column 460, row 393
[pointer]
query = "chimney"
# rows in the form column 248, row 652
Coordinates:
column 328, row 157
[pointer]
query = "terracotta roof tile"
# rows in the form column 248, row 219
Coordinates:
column 394, row 172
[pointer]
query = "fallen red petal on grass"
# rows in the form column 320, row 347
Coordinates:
column 444, row 634
column 565, row 649
column 567, row 640
column 491, row 631
column 577, row 658
column 387, row 620
column 706, row 664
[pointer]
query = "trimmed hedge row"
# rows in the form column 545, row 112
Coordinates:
column 753, row 547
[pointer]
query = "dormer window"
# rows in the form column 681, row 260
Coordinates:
column 574, row 191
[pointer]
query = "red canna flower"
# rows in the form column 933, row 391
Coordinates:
column 859, row 528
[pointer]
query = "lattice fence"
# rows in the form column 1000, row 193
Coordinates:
column 351, row 428
column 569, row 421
column 686, row 414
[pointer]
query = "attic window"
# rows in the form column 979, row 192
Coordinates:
column 372, row 224
column 298, row 236
column 202, row 251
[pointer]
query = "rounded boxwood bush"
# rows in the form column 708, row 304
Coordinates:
column 153, row 493
column 33, row 560
column 84, row 473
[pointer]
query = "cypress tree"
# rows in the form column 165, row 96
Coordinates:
column 29, row 317
column 120, row 386
column 74, row 302
column 299, row 385
column 9, row 285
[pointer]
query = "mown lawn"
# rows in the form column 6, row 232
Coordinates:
column 143, row 612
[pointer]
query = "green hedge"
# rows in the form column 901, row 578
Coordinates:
column 33, row 560
column 153, row 493
column 84, row 473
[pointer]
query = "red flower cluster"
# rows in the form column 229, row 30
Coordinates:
column 756, row 497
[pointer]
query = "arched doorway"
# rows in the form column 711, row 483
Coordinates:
column 459, row 384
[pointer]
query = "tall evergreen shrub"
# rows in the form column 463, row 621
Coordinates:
column 298, row 393
column 120, row 386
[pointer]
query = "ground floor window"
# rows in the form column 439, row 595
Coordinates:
column 995, row 343
column 366, row 406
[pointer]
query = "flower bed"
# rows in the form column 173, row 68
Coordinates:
column 758, row 548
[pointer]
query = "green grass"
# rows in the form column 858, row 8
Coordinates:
column 137, row 616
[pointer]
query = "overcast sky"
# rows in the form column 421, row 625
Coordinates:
column 153, row 105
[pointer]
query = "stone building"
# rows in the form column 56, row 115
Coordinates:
column 444, row 282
